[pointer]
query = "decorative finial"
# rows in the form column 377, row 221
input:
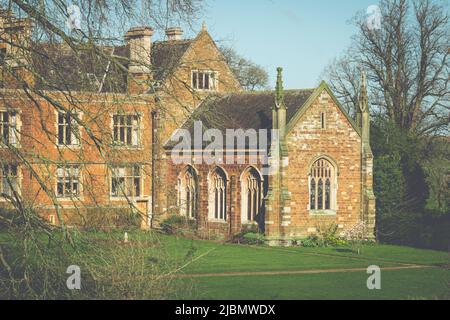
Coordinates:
column 364, row 100
column 279, row 87
column 363, row 82
column 204, row 26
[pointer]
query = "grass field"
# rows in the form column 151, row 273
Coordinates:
column 212, row 270
column 218, row 273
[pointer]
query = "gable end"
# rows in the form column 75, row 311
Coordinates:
column 323, row 86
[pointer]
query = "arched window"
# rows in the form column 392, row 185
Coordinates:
column 251, row 195
column 322, row 185
column 218, row 195
column 187, row 192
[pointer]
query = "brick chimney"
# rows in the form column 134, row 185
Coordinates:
column 139, row 40
column 15, row 40
column 175, row 33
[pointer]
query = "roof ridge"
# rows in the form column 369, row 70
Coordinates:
column 172, row 41
column 261, row 92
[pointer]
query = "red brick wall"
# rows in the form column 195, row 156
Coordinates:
column 38, row 144
column 207, row 228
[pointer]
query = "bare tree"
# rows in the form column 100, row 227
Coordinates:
column 58, row 67
column 250, row 75
column 407, row 65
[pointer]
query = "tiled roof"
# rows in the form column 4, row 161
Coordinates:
column 244, row 110
column 166, row 55
column 59, row 68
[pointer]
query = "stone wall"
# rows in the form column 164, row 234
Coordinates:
column 338, row 142
column 178, row 99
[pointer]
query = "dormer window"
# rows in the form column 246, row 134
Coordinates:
column 204, row 80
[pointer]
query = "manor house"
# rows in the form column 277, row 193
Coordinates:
column 82, row 133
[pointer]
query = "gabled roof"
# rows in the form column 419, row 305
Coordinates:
column 253, row 110
column 323, row 86
column 166, row 56
column 243, row 110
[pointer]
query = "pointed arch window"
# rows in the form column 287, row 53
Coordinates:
column 251, row 195
column 218, row 195
column 187, row 193
column 322, row 185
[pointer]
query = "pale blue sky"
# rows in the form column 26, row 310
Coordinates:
column 302, row 36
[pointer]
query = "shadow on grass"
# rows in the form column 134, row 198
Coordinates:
column 343, row 250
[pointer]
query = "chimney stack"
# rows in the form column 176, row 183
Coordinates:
column 15, row 41
column 175, row 33
column 139, row 71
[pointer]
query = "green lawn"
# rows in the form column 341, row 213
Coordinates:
column 222, row 258
column 409, row 284
column 231, row 257
column 209, row 269
column 427, row 283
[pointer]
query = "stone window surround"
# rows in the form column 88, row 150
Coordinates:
column 334, row 191
column 79, row 196
column 18, row 125
column 244, row 195
column 216, row 79
column 79, row 138
column 141, row 129
column 122, row 197
column 211, row 195
column 19, row 180
column 181, row 195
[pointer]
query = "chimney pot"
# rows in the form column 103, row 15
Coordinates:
column 138, row 32
column 174, row 33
